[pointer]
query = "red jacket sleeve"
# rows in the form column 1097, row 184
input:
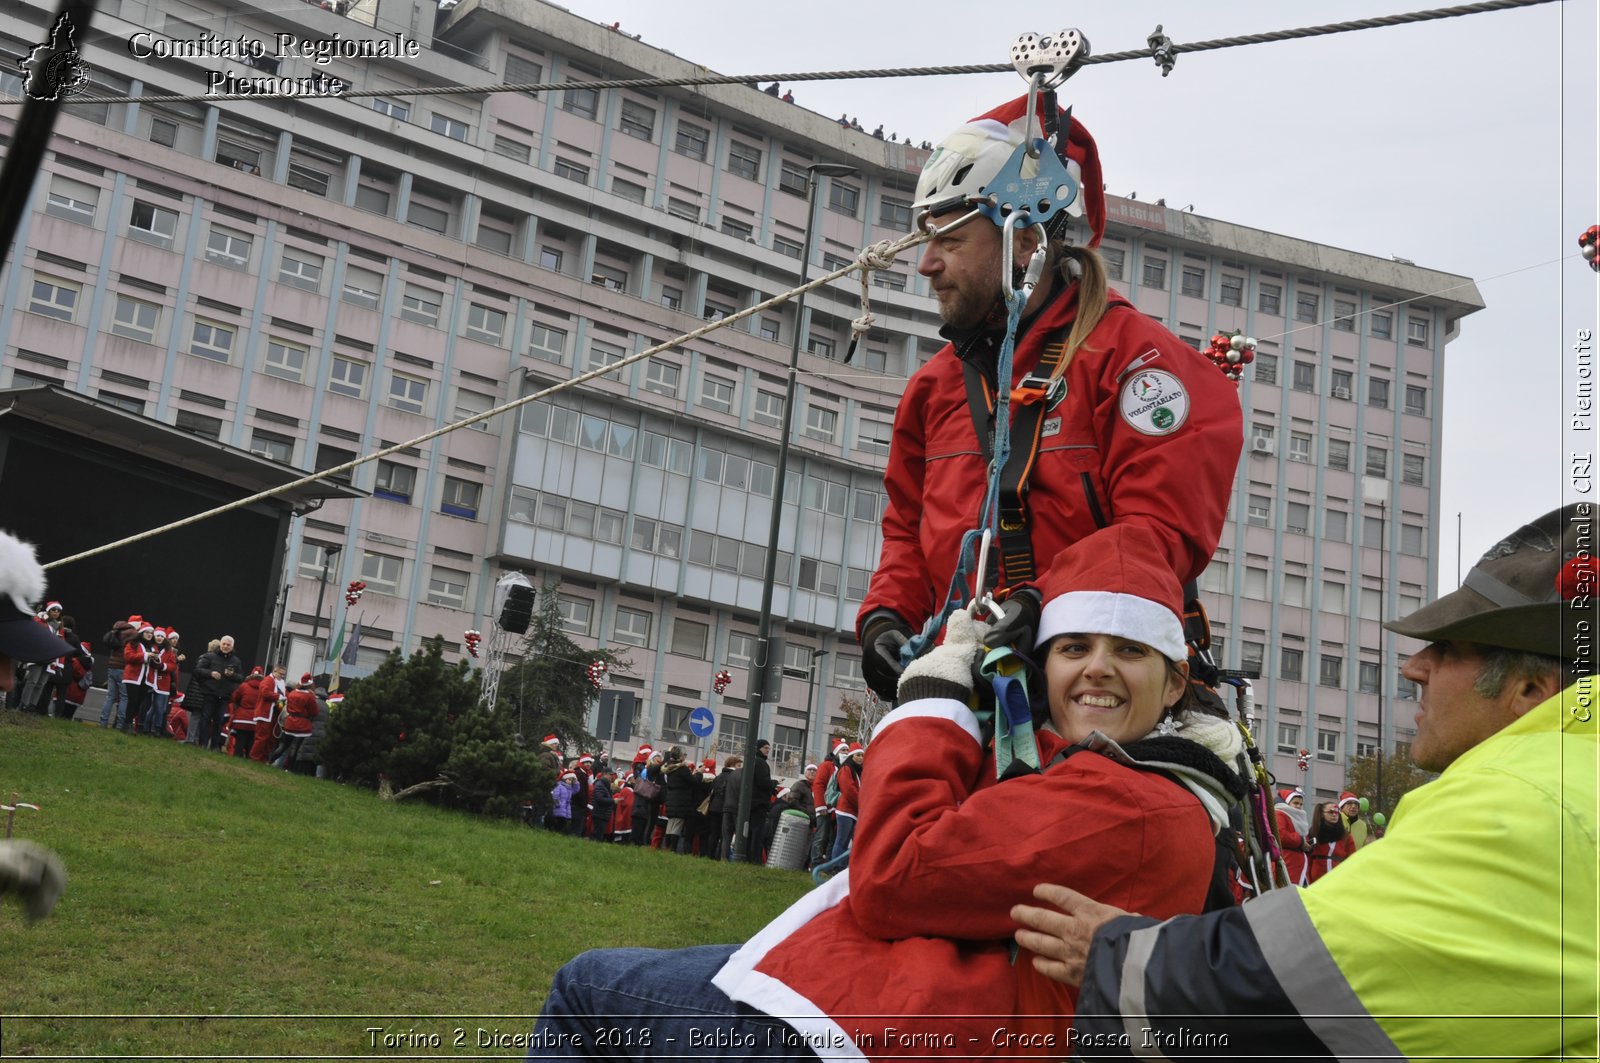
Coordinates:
column 944, row 851
column 901, row 581
column 1288, row 837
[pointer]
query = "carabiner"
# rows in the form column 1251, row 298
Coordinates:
column 1008, row 262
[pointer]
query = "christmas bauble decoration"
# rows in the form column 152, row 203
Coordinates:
column 597, row 672
column 472, row 640
column 720, row 681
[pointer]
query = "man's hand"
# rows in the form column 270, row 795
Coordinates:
column 1060, row 940
column 881, row 639
column 216, row 675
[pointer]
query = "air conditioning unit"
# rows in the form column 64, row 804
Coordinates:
column 1262, row 445
column 1341, row 393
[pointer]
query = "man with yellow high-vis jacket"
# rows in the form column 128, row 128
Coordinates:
column 1469, row 931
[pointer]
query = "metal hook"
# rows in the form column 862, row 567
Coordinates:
column 1008, row 267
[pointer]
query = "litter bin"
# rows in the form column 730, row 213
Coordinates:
column 791, row 843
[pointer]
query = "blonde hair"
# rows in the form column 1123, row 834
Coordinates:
column 1083, row 265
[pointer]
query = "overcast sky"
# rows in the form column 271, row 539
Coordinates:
column 1466, row 145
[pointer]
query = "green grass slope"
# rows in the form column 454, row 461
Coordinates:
column 219, row 908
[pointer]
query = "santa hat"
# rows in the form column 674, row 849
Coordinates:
column 87, row 648
column 51, row 605
column 586, row 759
column 1285, row 796
column 552, row 741
column 972, row 144
column 1115, row 582
column 856, row 747
column 335, row 700
column 783, row 792
column 645, row 753
column 177, row 699
column 307, row 680
column 171, row 635
column 161, row 633
column 135, row 619
column 147, row 627
column 570, row 775
column 256, row 672
column 1347, row 797
column 709, row 764
column 841, row 746
column 809, row 767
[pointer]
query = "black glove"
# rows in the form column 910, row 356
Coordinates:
column 881, row 638
column 1018, row 625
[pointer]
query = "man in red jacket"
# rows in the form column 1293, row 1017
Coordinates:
column 1138, row 427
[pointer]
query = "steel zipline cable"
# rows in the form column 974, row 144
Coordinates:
column 708, row 79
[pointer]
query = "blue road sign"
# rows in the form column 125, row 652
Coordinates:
column 701, row 722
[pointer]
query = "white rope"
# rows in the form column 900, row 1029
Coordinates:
column 884, row 255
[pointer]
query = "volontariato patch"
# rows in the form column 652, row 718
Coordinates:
column 1154, row 403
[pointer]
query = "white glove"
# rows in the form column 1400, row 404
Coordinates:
column 954, row 659
column 34, row 873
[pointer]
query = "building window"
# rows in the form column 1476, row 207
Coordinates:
column 894, row 213
column 768, row 409
column 362, row 287
column 1297, row 518
column 631, row 627
column 691, row 140
column 447, row 587
column 450, row 127
column 332, row 457
column 1417, row 330
column 228, row 248
column 421, row 305
column 1327, row 744
column 671, row 297
column 1232, row 290
column 1291, row 663
column 425, row 216
column 272, row 445
column 1251, row 654
column 1367, row 677
column 1266, row 368
column 1344, row 315
column 1378, row 392
column 381, row 572
column 821, row 424
column 1306, row 305
column 1417, row 399
column 1382, row 324
column 55, row 298
column 1413, row 469
column 577, row 614
column 470, row 403
column 547, row 344
column 1412, row 542
column 1333, row 597
column 572, row 171
column 661, row 378
column 1377, row 461
column 820, row 345
column 1269, row 298
column 198, row 424
column 285, row 360
column 497, row 233
column 512, row 149
column 1260, row 511
column 550, row 259
column 1305, row 377
column 1300, row 444
column 1331, row 673
column 407, row 393
column 604, row 354
column 1341, row 384
column 1114, row 259
column 690, row 638
column 461, row 498
column 716, row 393
column 744, row 160
column 611, row 277
column 486, row 323
column 1288, row 738
column 213, row 340
column 135, row 318
column 786, row 247
column 1339, row 454
column 151, row 224
column 307, row 179
column 739, row 230
column 638, row 120
column 844, row 198
column 1335, row 525
column 1155, row 272
column 393, row 108
column 585, row 103
column 873, row 436
column 395, row 482
column 348, row 377
column 628, row 190
column 301, row 269
column 1194, row 281
column 72, row 200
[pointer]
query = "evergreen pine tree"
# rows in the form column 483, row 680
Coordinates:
column 549, row 690
column 491, row 773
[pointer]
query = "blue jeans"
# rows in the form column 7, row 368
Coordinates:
column 113, row 696
column 655, row 1004
column 846, row 827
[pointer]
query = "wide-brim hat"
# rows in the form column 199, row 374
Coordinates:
column 1536, row 591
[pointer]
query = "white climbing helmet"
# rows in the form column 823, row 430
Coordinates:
column 969, row 158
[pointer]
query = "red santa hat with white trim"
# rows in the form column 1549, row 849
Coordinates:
column 1119, row 582
column 552, row 741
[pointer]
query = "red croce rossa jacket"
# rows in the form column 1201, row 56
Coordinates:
column 1106, row 455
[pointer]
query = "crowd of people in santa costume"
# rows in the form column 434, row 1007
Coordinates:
column 666, row 800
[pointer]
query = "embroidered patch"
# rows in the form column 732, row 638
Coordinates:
column 1052, row 426
column 1154, row 403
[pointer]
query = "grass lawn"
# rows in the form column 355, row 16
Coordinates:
column 218, row 908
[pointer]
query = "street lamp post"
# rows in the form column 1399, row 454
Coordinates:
column 328, row 554
column 762, row 665
column 811, row 683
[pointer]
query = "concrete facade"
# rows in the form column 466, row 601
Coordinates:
column 311, row 279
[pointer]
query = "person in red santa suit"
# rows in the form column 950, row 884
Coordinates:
column 1330, row 841
column 79, row 679
column 1137, row 427
column 1289, row 816
column 1127, row 787
column 822, row 839
column 141, row 664
column 269, row 710
column 177, row 718
column 848, row 810
column 300, row 708
column 242, row 709
column 622, row 818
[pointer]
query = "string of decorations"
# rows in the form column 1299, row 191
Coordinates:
column 720, row 681
column 353, row 593
column 1589, row 244
column 1231, row 352
column 597, row 673
column 472, row 639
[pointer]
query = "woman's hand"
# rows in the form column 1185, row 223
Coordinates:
column 954, row 659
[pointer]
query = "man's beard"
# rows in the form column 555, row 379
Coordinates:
column 969, row 309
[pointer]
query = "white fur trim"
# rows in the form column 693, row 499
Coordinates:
column 933, row 708
column 1126, row 616
column 742, row 982
column 21, row 575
